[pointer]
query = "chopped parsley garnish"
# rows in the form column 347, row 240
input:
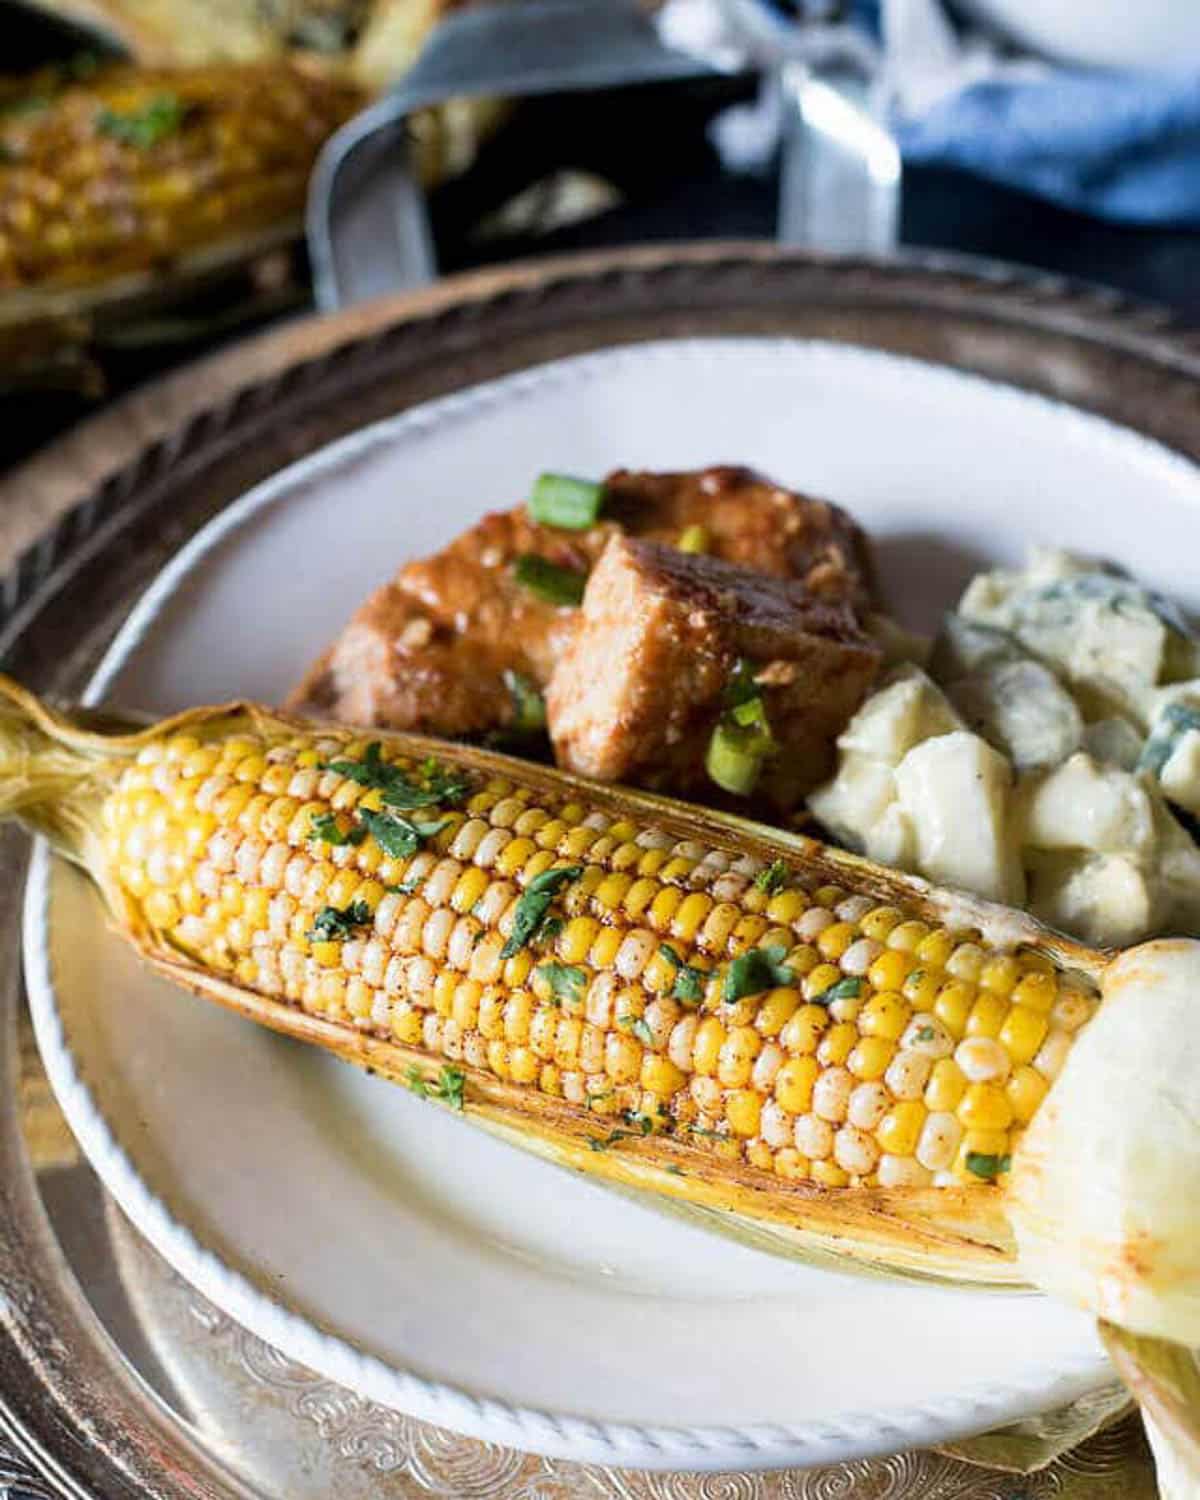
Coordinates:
column 551, row 583
column 773, row 878
column 397, row 835
column 564, row 501
column 842, row 989
column 529, row 707
column 398, row 788
column 759, row 969
column 644, row 1125
column 535, row 904
column 449, row 1086
column 987, row 1166
column 638, row 1026
column 567, row 982
column 925, row 1034
column 326, row 827
column 335, row 925
column 407, row 886
column 160, row 117
column 689, row 984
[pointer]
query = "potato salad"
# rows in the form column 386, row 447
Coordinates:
column 1045, row 752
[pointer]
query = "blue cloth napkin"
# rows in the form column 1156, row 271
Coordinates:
column 1124, row 146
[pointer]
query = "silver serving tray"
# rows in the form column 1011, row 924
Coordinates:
column 116, row 1379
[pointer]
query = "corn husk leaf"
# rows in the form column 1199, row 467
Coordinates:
column 1165, row 1379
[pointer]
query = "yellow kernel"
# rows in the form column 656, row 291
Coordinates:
column 837, row 1044
column 829, row 1174
column 794, row 1083
column 515, row 855
column 834, row 941
column 736, row 1059
column 803, row 1032
column 777, row 1008
column 906, row 938
column 497, row 1057
column 891, row 969
column 759, row 1155
column 935, row 950
column 947, row 1084
column 1000, row 974
column 966, row 962
column 692, row 911
column 900, row 1129
column 885, row 1015
column 1025, row 1089
column 328, row 955
column 1037, row 992
column 360, row 998
column 576, row 938
column 985, row 1106
column 786, row 906
column 444, row 986
column 987, row 1015
column 406, row 1024
column 953, row 1006
column 1023, row 1032
column 921, row 988
column 820, row 979
column 869, row 1058
column 790, row 1164
column 879, row 922
column 706, row 1050
column 470, row 886
column 660, row 1076
column 743, row 1110
column 622, row 1057
column 714, row 935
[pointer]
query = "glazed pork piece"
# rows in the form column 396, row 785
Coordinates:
column 687, row 671
column 434, row 649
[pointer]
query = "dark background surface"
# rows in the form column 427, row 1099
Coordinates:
column 651, row 144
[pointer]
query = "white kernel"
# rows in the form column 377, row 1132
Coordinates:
column 249, row 859
column 869, row 1102
column 452, row 1039
column 489, row 848
column 272, row 865
column 222, row 849
column 926, row 1034
column 908, row 1073
column 777, row 1125
column 707, row 1093
column 859, row 956
column 440, row 885
column 966, row 961
column 374, row 961
column 831, row 1094
column 436, row 932
column 683, row 1037
column 574, row 1087
column 209, row 790
column 494, row 902
column 983, row 1060
column 813, row 1137
column 660, row 1016
column 296, row 874
column 854, row 1151
column 387, row 913
column 902, row 1172
column 729, row 887
column 431, row 1031
column 462, row 942
column 1053, row 1053
column 766, row 1065
column 939, row 1141
column 1071, row 1010
column 813, row 923
column 475, row 1050
column 468, row 837
column 303, row 785
column 635, row 952
column 597, row 1007
column 854, row 909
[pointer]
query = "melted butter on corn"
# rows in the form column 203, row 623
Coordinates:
column 900, row 1054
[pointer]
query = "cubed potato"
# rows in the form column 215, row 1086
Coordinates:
column 1181, row 775
column 857, row 798
column 1106, row 899
column 1113, row 742
column 906, row 710
column 1082, row 805
column 1021, row 709
column 956, row 791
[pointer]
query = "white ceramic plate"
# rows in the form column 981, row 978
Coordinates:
column 380, row 1241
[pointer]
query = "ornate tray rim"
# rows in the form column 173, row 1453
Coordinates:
column 76, row 1422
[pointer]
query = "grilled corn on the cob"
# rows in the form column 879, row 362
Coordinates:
column 127, row 169
column 657, row 994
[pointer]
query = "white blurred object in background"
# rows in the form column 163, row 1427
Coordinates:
column 1099, row 33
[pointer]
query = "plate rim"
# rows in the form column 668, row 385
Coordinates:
column 556, row 1434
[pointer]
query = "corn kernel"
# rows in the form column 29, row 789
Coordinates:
column 985, row 1106
column 803, row 1032
column 879, row 922
column 794, row 1084
column 870, row 1057
column 710, row 1038
column 900, row 1129
column 829, row 1174
column 743, row 1110
column 885, row 1015
column 953, row 1006
column 947, row 1084
column 1037, row 991
column 1025, row 1089
column 837, row 1044
column 906, row 938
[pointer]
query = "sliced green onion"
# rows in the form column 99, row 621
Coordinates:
column 693, row 539
column 734, row 761
column 561, row 500
column 548, row 581
column 529, row 707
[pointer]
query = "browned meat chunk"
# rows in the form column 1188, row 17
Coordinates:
column 646, row 677
column 429, row 651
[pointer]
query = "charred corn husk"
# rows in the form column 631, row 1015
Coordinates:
column 662, row 996
column 126, row 169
